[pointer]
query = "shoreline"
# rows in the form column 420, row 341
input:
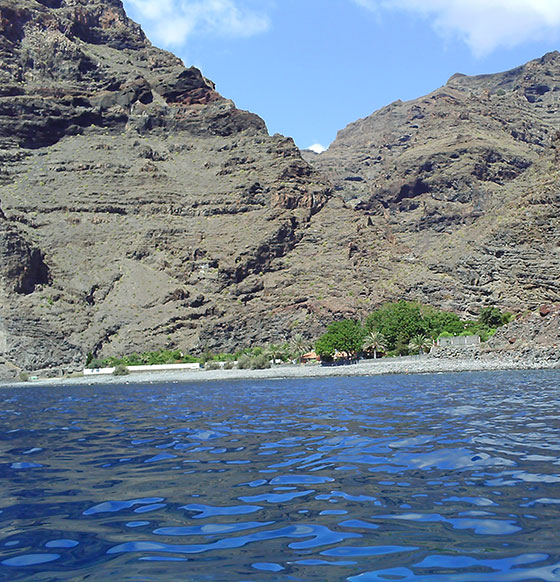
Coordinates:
column 383, row 366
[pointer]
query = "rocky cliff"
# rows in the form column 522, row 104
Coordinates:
column 139, row 208
column 457, row 193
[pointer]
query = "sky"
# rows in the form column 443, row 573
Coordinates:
column 310, row 67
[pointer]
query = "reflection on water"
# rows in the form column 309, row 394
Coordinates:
column 450, row 477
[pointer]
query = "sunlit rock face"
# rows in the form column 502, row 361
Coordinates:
column 140, row 209
column 456, row 193
column 137, row 203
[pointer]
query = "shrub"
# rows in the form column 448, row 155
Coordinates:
column 507, row 317
column 145, row 359
column 244, row 362
column 212, row 365
column 438, row 321
column 446, row 334
column 260, row 362
column 23, row 377
column 95, row 363
column 491, row 317
column 481, row 330
column 120, row 370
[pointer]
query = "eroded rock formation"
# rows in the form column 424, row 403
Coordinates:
column 458, row 191
column 137, row 201
column 140, row 209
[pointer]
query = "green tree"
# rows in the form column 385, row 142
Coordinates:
column 374, row 342
column 398, row 323
column 438, row 321
column 274, row 352
column 341, row 336
column 299, row 346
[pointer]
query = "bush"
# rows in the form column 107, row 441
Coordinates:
column 23, row 377
column 145, row 359
column 120, row 370
column 212, row 366
column 437, row 321
column 483, row 331
column 228, row 365
column 260, row 362
column 95, row 363
column 401, row 347
column 446, row 334
column 507, row 317
column 244, row 362
column 223, row 357
column 491, row 317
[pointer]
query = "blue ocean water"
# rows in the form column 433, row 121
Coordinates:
column 441, row 477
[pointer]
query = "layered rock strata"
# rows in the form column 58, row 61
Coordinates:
column 458, row 191
column 140, row 209
column 138, row 205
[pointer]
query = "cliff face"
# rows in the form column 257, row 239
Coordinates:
column 138, row 205
column 140, row 209
column 458, row 192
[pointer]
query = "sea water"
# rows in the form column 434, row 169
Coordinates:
column 442, row 477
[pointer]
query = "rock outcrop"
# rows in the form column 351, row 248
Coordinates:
column 140, row 209
column 139, row 206
column 458, row 191
column 531, row 330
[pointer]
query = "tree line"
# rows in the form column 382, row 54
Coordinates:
column 395, row 329
column 403, row 328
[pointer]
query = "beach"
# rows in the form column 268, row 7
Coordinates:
column 403, row 365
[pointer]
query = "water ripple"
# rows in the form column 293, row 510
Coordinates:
column 432, row 478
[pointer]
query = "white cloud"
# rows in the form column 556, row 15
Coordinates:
column 484, row 25
column 171, row 22
column 317, row 148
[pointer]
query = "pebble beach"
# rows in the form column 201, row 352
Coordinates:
column 403, row 365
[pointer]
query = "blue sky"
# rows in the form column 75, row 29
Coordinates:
column 310, row 67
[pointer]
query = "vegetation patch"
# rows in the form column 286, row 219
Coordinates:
column 403, row 328
column 395, row 329
column 120, row 370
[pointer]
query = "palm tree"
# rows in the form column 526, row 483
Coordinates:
column 274, row 351
column 299, row 346
column 420, row 343
column 374, row 342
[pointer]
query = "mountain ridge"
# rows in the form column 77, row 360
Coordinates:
column 140, row 209
column 145, row 194
column 456, row 160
